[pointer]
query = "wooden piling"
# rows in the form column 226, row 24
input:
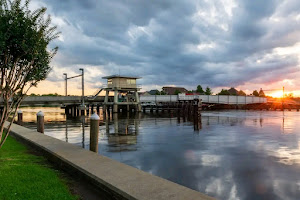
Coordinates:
column 77, row 111
column 92, row 109
column 73, row 111
column 94, row 132
column 98, row 109
column 108, row 112
column 20, row 117
column 88, row 110
column 40, row 122
column 67, row 110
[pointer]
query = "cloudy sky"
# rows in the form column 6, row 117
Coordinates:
column 218, row 43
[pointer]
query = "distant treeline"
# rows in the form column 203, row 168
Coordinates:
column 35, row 95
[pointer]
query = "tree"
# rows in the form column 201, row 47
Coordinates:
column 241, row 93
column 224, row 92
column 261, row 93
column 177, row 92
column 289, row 95
column 24, row 58
column 255, row 93
column 34, row 95
column 208, row 91
column 162, row 93
column 53, row 95
column 200, row 89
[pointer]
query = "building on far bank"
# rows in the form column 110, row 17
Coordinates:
column 173, row 90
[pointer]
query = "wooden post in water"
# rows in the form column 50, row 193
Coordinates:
column 88, row 110
column 108, row 112
column 98, row 109
column 77, row 111
column 197, row 114
column 69, row 110
column 20, row 117
column 82, row 110
column 94, row 132
column 40, row 122
column 92, row 109
column 66, row 110
column 73, row 111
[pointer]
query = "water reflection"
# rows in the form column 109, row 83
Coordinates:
column 124, row 132
column 233, row 155
column 66, row 132
column 82, row 118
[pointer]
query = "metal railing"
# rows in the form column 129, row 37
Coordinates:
column 217, row 99
column 122, row 86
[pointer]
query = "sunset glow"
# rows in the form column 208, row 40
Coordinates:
column 145, row 47
column 276, row 94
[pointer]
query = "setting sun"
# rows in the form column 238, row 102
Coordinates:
column 277, row 94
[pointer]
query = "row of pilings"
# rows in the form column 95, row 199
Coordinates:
column 77, row 110
column 100, row 109
column 184, row 110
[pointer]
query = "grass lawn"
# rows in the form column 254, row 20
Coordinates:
column 27, row 176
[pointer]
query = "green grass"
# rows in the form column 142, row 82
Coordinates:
column 27, row 176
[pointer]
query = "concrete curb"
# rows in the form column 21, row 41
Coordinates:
column 119, row 180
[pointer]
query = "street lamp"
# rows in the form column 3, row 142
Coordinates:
column 66, row 79
column 82, row 107
column 82, row 81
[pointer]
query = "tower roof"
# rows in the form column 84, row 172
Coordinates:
column 119, row 76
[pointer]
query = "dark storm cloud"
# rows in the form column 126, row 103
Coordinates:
column 216, row 43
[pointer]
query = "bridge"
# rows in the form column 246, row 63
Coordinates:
column 59, row 100
column 209, row 99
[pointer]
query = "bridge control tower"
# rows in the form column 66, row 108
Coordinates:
column 125, row 92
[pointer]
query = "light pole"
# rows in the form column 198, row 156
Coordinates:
column 283, row 98
column 82, row 81
column 82, row 107
column 66, row 79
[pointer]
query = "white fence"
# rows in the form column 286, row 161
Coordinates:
column 219, row 99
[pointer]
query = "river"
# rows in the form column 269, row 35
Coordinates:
column 233, row 155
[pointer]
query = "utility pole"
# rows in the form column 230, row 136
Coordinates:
column 282, row 98
column 66, row 79
column 82, row 81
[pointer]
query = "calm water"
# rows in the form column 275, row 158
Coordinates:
column 235, row 154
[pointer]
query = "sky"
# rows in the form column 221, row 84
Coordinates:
column 217, row 43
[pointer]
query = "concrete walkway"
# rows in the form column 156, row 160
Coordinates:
column 120, row 180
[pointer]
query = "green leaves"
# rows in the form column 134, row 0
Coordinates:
column 24, row 37
column 24, row 58
column 200, row 89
